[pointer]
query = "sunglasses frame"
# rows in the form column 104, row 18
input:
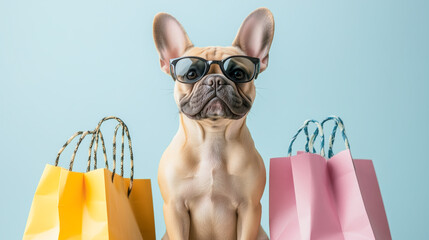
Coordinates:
column 208, row 63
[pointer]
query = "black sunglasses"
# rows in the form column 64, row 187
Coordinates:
column 239, row 69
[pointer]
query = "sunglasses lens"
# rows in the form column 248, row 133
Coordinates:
column 189, row 70
column 239, row 69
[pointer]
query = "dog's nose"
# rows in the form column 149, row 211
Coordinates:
column 214, row 81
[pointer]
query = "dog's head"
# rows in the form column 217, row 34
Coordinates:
column 214, row 82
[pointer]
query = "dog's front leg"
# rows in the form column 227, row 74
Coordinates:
column 177, row 220
column 249, row 217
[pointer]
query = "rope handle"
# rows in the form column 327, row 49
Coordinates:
column 122, row 150
column 77, row 147
column 309, row 143
column 338, row 123
column 95, row 138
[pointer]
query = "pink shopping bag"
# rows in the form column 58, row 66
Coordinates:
column 315, row 198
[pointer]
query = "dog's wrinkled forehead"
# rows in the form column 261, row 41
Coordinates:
column 214, row 53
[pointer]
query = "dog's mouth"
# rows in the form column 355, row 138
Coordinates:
column 215, row 108
column 222, row 103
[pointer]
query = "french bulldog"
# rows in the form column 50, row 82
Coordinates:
column 211, row 176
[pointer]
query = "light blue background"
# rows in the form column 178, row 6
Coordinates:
column 66, row 64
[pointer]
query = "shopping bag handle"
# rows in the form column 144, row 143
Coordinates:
column 122, row 150
column 338, row 123
column 309, row 144
column 83, row 135
column 95, row 138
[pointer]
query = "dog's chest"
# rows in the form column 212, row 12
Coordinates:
column 212, row 180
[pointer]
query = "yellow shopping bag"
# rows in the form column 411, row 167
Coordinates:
column 98, row 204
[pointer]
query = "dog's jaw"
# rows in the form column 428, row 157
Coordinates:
column 227, row 101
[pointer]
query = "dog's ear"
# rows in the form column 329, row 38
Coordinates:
column 170, row 38
column 256, row 34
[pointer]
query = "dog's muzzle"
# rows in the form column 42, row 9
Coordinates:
column 215, row 96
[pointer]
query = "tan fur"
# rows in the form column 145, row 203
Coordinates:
column 211, row 176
